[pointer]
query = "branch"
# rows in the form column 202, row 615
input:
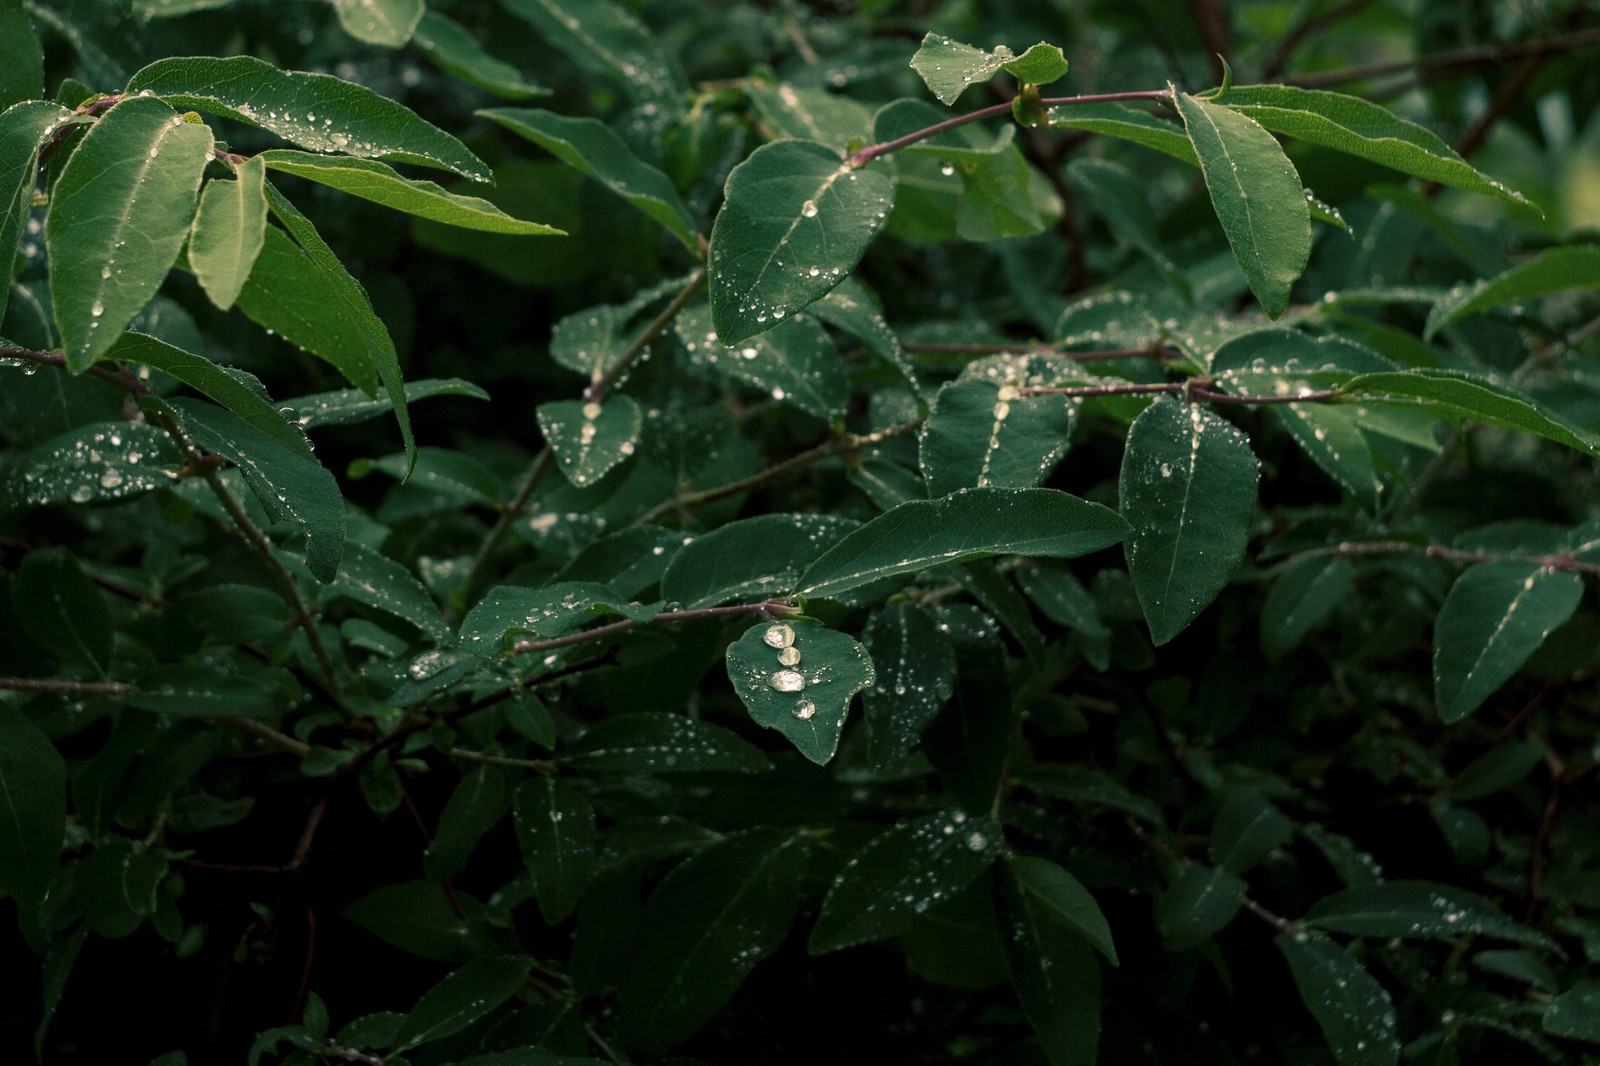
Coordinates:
column 763, row 607
column 1154, row 351
column 1189, row 390
column 1442, row 61
column 1353, row 549
column 111, row 689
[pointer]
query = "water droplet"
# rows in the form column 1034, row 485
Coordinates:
column 977, row 842
column 787, row 681
column 809, row 209
column 98, row 309
column 778, row 636
column 947, row 170
column 591, row 411
column 789, row 656
column 804, row 709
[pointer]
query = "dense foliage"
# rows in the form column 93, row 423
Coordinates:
column 570, row 531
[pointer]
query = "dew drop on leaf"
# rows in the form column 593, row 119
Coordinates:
column 778, row 636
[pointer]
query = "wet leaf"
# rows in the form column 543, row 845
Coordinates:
column 555, row 827
column 24, row 129
column 456, row 52
column 798, row 677
column 96, row 463
column 1199, row 903
column 229, row 229
column 509, row 612
column 476, row 806
column 33, row 808
column 369, row 577
column 1409, row 909
column 462, row 998
column 750, row 558
column 61, row 610
column 655, row 743
column 589, row 439
column 1055, row 974
column 1300, row 600
column 916, row 669
column 982, row 433
column 794, row 361
column 385, row 23
column 1457, row 394
column 1354, row 1010
column 1055, row 894
column 606, row 38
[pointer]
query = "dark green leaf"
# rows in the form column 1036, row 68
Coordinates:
column 706, row 926
column 1188, row 488
column 555, row 827
column 1117, row 195
column 1456, row 394
column 21, row 59
column 509, row 611
column 1355, row 1012
column 750, row 559
column 1129, row 124
column 1246, row 829
column 369, row 577
column 142, row 163
column 385, row 23
column 315, row 111
column 1300, row 600
column 1257, row 194
column 478, row 803
column 655, row 743
column 1055, row 894
column 948, row 67
column 793, row 361
column 1417, row 909
column 462, row 998
column 607, row 39
column 1556, row 270
column 915, row 676
column 589, row 438
column 61, row 610
column 458, row 53
column 24, row 129
column 795, row 221
column 1495, row 617
column 1575, row 1014
column 900, row 873
column 1197, row 905
column 33, row 808
column 344, row 407
column 200, row 690
column 1500, row 767
column 1055, row 974
column 799, row 677
column 981, row 433
column 969, row 524
column 95, row 463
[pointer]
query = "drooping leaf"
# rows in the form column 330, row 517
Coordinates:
column 589, row 438
column 21, row 58
column 555, row 827
column 794, row 222
column 750, row 558
column 969, row 524
column 794, row 361
column 1556, row 270
column 656, row 743
column 1355, row 1012
column 1495, row 617
column 289, row 485
column 1300, row 600
column 606, row 38
column 1364, row 129
column 591, row 147
column 915, row 667
column 1457, row 394
column 350, row 299
column 458, row 53
column 902, row 872
column 95, row 463
column 379, row 183
column 1188, row 488
column 798, row 677
column 706, row 926
column 229, row 229
column 1198, row 904
column 61, row 610
column 1052, row 969
column 24, row 130
column 33, row 808
column 982, row 433
column 119, row 213
column 385, row 23
column 462, row 998
column 1057, row 895
column 478, row 803
column 1424, row 909
column 315, row 111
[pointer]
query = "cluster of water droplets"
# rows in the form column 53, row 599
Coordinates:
column 780, row 638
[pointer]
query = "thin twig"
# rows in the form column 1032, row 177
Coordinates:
column 1352, row 549
column 112, row 689
column 765, row 607
column 1291, row 41
column 282, row 741
column 1442, row 61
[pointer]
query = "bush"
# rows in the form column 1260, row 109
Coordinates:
column 1018, row 564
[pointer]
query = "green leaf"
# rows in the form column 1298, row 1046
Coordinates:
column 1498, row 768
column 315, row 111
column 555, row 828
column 1055, row 894
column 441, row 470
column 1360, row 128
column 1063, row 599
column 794, row 222
column 95, row 463
column 385, row 23
column 1188, row 487
column 1257, row 194
column 1301, row 600
column 458, row 53
column 1555, row 270
column 798, row 677
column 476, row 806
column 948, row 67
column 916, row 669
column 850, row 308
column 1456, row 394
column 590, row 147
column 794, row 361
column 706, row 926
column 462, row 998
column 605, row 38
column 750, row 559
column 1575, row 1013
column 983, row 432
column 199, row 690
column 1039, row 65
column 1354, row 1010
column 119, row 213
column 1198, row 904
column 369, row 577
column 1496, row 616
column 418, row 917
column 61, row 610
column 509, row 611
column 969, row 524
column 24, row 130
column 229, row 229
column 1247, row 828
column 810, row 114
column 1118, row 196
column 343, row 292
column 589, row 439
column 343, row 407
column 1002, row 196
column 21, row 58
column 1424, row 909
column 656, row 743
column 1053, row 971
column 1128, row 124
column 234, row 389
column 902, row 872
column 379, row 183
column 289, row 485
column 33, row 806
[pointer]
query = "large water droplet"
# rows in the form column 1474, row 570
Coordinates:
column 591, row 411
column 804, row 709
column 809, row 209
column 787, row 681
column 778, row 636
column 789, row 656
